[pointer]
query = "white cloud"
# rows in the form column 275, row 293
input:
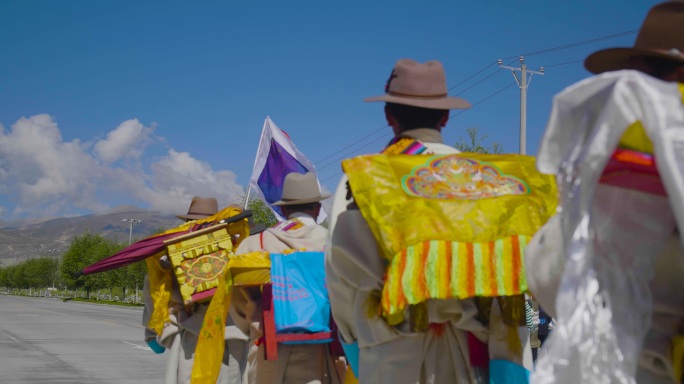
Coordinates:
column 47, row 176
column 129, row 139
column 41, row 168
column 178, row 177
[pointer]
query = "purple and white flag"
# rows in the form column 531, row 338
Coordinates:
column 276, row 157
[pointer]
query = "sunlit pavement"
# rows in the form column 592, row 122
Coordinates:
column 45, row 340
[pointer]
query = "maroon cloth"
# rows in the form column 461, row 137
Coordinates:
column 479, row 352
column 135, row 252
column 145, row 248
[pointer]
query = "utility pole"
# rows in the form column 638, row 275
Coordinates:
column 523, row 83
column 130, row 232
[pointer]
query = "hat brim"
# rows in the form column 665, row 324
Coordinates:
column 436, row 103
column 192, row 217
column 613, row 59
column 302, row 201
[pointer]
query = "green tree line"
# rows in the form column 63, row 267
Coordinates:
column 63, row 273
column 41, row 272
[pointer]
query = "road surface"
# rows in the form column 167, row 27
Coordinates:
column 45, row 340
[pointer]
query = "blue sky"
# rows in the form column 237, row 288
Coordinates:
column 104, row 103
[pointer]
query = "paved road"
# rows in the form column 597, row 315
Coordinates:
column 46, row 340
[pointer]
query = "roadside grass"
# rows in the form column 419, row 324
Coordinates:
column 96, row 297
column 104, row 302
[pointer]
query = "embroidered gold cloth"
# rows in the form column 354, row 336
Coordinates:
column 451, row 226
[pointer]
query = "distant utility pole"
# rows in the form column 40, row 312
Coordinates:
column 130, row 232
column 523, row 83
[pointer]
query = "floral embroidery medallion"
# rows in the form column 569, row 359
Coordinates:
column 456, row 177
column 204, row 268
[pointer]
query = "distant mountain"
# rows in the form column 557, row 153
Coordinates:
column 20, row 241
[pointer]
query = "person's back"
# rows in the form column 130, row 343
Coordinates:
column 438, row 340
column 632, row 230
column 180, row 332
column 296, row 363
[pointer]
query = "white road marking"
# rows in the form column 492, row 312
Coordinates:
column 137, row 346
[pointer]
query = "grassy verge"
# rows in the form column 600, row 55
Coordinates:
column 104, row 302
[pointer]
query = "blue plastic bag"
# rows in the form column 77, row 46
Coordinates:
column 300, row 296
column 351, row 352
column 506, row 372
column 155, row 346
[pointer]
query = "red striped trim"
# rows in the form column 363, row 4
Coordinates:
column 423, row 265
column 470, row 268
column 515, row 252
column 414, row 149
column 401, row 299
column 492, row 269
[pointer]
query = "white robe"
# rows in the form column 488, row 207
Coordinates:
column 180, row 335
column 591, row 266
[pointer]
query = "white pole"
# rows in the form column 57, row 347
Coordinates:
column 130, row 232
column 523, row 108
column 523, row 83
column 261, row 138
column 249, row 190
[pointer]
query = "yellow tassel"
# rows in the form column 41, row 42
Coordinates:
column 373, row 305
column 678, row 357
column 514, row 345
column 211, row 342
column 160, row 291
column 349, row 377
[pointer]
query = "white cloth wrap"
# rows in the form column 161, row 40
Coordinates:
column 603, row 305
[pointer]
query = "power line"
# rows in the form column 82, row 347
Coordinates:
column 539, row 52
column 354, row 151
column 490, row 75
column 568, row 62
column 352, row 144
column 577, row 44
column 483, row 100
column 477, row 73
column 450, row 117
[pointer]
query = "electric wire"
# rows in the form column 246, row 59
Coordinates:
column 567, row 62
column 320, row 166
column 577, row 44
column 553, row 49
column 450, row 117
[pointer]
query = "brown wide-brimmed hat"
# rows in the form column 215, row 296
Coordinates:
column 661, row 35
column 300, row 189
column 419, row 85
column 200, row 207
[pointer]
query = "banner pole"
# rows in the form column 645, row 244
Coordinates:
column 256, row 157
column 249, row 190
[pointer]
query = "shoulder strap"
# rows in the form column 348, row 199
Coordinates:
column 405, row 146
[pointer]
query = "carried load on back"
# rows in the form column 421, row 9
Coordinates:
column 450, row 226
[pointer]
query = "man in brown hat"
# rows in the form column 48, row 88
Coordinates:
column 181, row 331
column 657, row 51
column 417, row 108
column 628, row 218
column 296, row 363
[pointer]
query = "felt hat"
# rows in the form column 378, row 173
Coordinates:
column 300, row 189
column 420, row 85
column 200, row 207
column 661, row 36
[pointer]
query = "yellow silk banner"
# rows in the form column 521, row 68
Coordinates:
column 452, row 226
column 211, row 342
column 160, row 291
column 160, row 279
